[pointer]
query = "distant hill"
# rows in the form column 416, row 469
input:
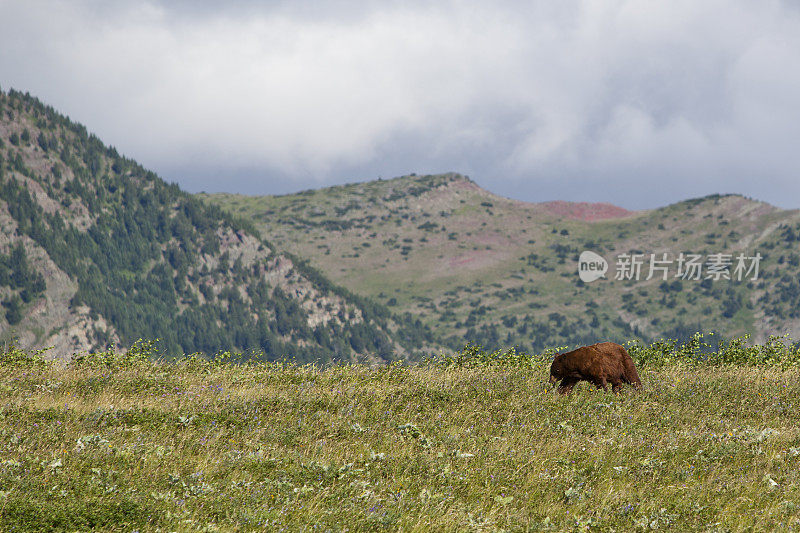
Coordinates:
column 95, row 249
column 479, row 267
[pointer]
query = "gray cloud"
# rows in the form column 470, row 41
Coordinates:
column 631, row 102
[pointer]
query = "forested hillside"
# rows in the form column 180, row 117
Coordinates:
column 95, row 249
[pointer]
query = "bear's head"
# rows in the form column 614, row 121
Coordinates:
column 557, row 369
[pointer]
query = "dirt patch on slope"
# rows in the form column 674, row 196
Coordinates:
column 586, row 211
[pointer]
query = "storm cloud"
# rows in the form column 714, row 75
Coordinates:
column 637, row 103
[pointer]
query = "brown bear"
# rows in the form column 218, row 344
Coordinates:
column 600, row 364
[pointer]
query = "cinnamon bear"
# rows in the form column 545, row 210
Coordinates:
column 600, row 364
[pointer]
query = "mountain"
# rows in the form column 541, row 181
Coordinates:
column 95, row 250
column 479, row 267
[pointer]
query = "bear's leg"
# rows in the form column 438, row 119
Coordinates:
column 601, row 383
column 566, row 385
column 616, row 386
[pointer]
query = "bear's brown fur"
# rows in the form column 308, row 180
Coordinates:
column 599, row 364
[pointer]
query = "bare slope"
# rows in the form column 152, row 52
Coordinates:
column 95, row 249
column 480, row 267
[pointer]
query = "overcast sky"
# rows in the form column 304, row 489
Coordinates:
column 640, row 103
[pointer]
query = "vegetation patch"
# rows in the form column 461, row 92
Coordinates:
column 474, row 440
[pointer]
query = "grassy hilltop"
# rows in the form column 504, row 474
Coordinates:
column 499, row 272
column 476, row 442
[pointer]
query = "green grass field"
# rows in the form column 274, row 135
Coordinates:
column 475, row 442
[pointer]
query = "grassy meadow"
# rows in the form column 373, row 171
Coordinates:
column 472, row 442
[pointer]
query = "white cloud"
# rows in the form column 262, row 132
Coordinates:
column 576, row 98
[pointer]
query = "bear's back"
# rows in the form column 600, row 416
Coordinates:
column 615, row 350
column 589, row 361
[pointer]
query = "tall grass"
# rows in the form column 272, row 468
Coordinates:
column 474, row 441
column 699, row 350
